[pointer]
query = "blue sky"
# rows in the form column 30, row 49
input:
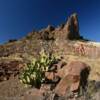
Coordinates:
column 18, row 17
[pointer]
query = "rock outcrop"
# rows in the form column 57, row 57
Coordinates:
column 10, row 69
column 69, row 30
column 74, row 76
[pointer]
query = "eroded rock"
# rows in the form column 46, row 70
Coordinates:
column 76, row 76
column 72, row 27
column 10, row 69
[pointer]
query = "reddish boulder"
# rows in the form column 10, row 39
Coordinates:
column 63, row 86
column 50, row 75
column 76, row 76
column 63, row 72
column 76, row 67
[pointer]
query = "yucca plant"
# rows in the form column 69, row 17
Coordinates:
column 34, row 72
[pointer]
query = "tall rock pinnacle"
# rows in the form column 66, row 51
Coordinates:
column 72, row 27
column 69, row 30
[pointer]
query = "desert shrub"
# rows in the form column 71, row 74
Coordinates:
column 34, row 72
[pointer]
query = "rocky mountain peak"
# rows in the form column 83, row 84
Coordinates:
column 69, row 30
column 71, row 27
column 72, row 23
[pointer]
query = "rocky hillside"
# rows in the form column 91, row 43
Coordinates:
column 65, row 42
column 35, row 40
column 49, row 38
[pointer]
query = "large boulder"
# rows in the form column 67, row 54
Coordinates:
column 76, row 75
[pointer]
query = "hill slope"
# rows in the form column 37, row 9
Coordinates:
column 64, row 41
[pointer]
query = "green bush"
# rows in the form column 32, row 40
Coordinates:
column 34, row 72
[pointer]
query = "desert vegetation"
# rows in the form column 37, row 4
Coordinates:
column 34, row 72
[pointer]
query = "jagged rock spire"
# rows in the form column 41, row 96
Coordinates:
column 69, row 30
column 66, row 31
column 72, row 27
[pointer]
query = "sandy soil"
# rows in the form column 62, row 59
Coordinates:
column 11, row 90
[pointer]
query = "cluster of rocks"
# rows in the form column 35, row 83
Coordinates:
column 62, row 81
column 10, row 69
